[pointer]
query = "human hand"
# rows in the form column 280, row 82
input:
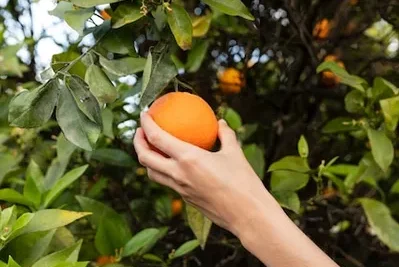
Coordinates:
column 221, row 184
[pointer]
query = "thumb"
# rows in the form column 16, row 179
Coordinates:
column 226, row 135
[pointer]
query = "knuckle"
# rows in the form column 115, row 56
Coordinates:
column 143, row 159
column 188, row 159
column 153, row 138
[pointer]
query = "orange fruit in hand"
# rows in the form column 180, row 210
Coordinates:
column 187, row 117
column 231, row 81
column 104, row 260
column 105, row 15
column 177, row 207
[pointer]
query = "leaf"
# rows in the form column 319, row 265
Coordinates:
column 119, row 41
column 77, row 18
column 140, row 241
column 233, row 119
column 113, row 156
column 111, row 235
column 197, row 55
column 158, row 72
column 124, row 66
column 102, row 212
column 342, row 169
column 255, row 157
column 126, row 13
column 34, row 183
column 382, row 223
column 12, row 263
column 201, row 25
column 303, row 148
column 62, row 184
column 383, row 89
column 30, row 109
column 230, row 7
column 58, row 61
column 163, row 208
column 291, row 163
column 12, row 196
column 69, row 255
column 381, row 148
column 100, row 85
column 60, row 9
column 76, row 126
column 151, row 257
column 199, row 224
column 180, row 23
column 41, row 222
column 79, row 264
column 345, row 78
column 8, row 216
column 395, row 188
column 7, row 163
column 390, row 109
column 354, row 102
column 340, row 124
column 108, row 120
column 288, row 180
column 288, row 200
column 185, row 248
column 246, row 131
column 91, row 3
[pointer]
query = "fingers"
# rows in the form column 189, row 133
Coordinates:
column 162, row 140
column 148, row 157
column 227, row 136
column 163, row 179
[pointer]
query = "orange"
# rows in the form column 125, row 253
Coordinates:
column 328, row 78
column 231, row 81
column 105, row 15
column 177, row 207
column 104, row 260
column 354, row 2
column 187, row 117
column 322, row 29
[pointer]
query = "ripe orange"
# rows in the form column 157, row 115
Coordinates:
column 328, row 78
column 177, row 207
column 322, row 29
column 105, row 15
column 231, row 81
column 104, row 260
column 187, row 117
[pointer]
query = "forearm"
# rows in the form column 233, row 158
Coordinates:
column 272, row 237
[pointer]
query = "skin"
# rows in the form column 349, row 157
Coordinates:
column 226, row 189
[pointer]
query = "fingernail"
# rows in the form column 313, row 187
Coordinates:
column 223, row 121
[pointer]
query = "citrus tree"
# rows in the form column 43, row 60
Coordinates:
column 308, row 86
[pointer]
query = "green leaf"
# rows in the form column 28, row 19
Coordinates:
column 12, row 263
column 60, row 9
column 34, row 183
column 158, row 72
column 345, row 78
column 255, row 157
column 288, row 180
column 58, row 61
column 12, row 196
column 342, row 169
column 150, row 257
column 395, row 188
column 8, row 216
column 62, row 184
column 390, row 109
column 180, row 23
column 79, row 264
column 199, row 224
column 201, row 25
column 113, row 156
column 340, row 124
column 197, row 55
column 69, row 255
column 140, row 241
column 119, row 41
column 100, row 85
column 288, row 200
column 8, row 162
column 354, row 102
column 185, row 248
column 382, row 223
column 233, row 119
column 303, row 148
column 291, row 163
column 41, row 222
column 108, row 120
column 230, row 7
column 91, row 3
column 381, row 148
column 77, row 18
column 76, row 126
column 126, row 13
column 111, row 235
column 246, row 131
column 30, row 109
column 383, row 89
column 124, row 66
column 101, row 212
column 163, row 208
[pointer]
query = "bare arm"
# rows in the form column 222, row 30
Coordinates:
column 225, row 188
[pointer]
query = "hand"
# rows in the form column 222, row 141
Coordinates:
column 221, row 184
